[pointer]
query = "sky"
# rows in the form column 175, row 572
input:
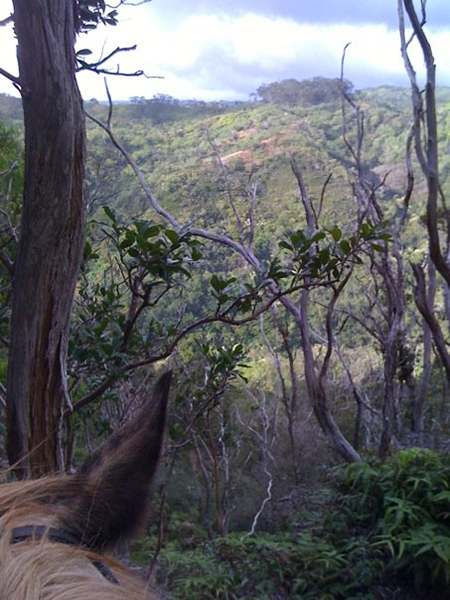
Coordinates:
column 225, row 49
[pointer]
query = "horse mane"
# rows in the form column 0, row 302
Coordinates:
column 43, row 570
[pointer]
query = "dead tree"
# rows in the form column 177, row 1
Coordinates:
column 386, row 263
column 425, row 135
column 425, row 130
column 316, row 376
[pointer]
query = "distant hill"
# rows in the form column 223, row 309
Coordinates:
column 11, row 109
column 177, row 144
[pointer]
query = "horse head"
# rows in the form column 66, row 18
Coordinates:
column 55, row 532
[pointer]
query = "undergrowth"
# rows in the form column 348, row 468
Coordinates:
column 384, row 534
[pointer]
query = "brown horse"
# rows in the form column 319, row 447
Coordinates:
column 54, row 531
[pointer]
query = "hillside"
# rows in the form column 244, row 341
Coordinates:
column 266, row 402
column 201, row 159
column 177, row 154
column 173, row 143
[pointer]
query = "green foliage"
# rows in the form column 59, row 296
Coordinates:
column 146, row 261
column 90, row 13
column 306, row 260
column 11, row 190
column 405, row 503
column 303, row 566
column 11, row 169
column 391, row 521
column 224, row 363
column 381, row 533
column 327, row 253
column 163, row 108
column 158, row 253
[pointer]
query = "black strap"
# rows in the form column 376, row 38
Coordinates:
column 31, row 532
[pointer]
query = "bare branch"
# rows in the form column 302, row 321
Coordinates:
column 329, row 328
column 12, row 78
column 311, row 217
column 128, row 3
column 322, row 195
column 429, row 159
column 422, row 302
column 6, row 21
column 95, row 67
column 109, row 381
column 359, row 116
column 252, row 190
column 230, row 195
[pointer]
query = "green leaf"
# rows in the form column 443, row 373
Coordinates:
column 297, row 238
column 127, row 242
column 443, row 552
column 317, row 237
column 220, row 284
column 142, row 243
column 443, row 496
column 216, row 283
column 110, row 214
column 195, row 254
column 172, row 235
column 345, row 246
column 286, row 245
column 152, row 231
column 336, row 233
column 324, row 256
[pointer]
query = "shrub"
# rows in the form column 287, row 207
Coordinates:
column 300, row 566
column 382, row 533
column 404, row 505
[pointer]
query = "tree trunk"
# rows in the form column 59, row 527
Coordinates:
column 420, row 298
column 390, row 391
column 422, row 388
column 52, row 233
column 316, row 382
column 317, row 393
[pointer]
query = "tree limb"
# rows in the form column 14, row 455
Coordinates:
column 12, row 78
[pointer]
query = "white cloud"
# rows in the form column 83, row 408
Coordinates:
column 212, row 55
column 8, row 54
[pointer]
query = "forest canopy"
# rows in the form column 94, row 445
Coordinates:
column 308, row 92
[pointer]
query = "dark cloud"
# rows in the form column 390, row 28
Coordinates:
column 308, row 11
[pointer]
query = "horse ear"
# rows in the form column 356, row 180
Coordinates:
column 114, row 483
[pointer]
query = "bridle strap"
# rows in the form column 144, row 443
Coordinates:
column 30, row 532
column 59, row 536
